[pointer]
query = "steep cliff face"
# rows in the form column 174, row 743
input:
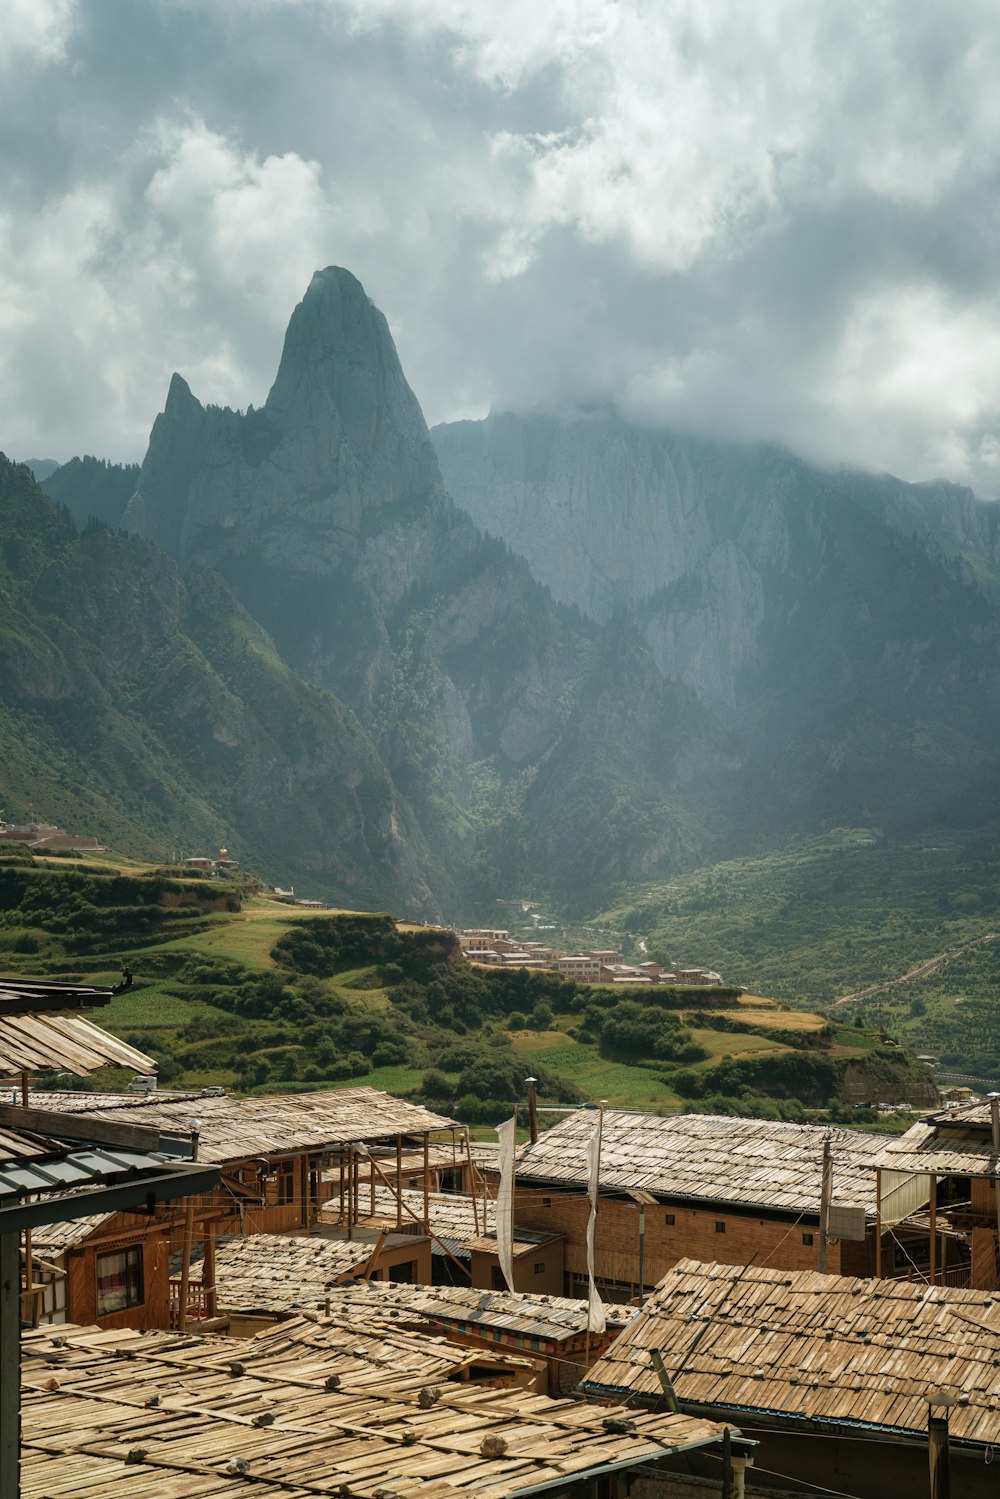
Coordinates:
column 821, row 619
column 156, row 713
column 326, row 513
column 697, row 539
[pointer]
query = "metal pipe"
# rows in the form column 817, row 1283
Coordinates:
column 532, row 1109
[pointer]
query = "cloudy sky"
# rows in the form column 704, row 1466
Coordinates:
column 774, row 220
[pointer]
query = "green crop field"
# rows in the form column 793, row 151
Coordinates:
column 235, row 989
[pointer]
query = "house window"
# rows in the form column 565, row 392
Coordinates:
column 539, row 1269
column 546, row 1202
column 404, row 1274
column 119, row 1281
column 498, row 1281
column 807, row 1238
column 286, row 1182
column 720, row 1226
column 669, row 1219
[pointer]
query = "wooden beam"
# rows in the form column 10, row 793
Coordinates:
column 933, row 1229
column 10, row 1364
column 95, row 1131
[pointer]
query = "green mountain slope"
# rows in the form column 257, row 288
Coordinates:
column 156, row 714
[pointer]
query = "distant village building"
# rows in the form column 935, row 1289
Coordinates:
column 495, row 948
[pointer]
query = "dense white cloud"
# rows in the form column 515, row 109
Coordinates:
column 776, row 220
column 35, row 31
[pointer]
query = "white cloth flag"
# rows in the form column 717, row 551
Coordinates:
column 505, row 1200
column 595, row 1309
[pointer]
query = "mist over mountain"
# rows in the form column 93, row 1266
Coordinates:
column 543, row 653
column 91, row 489
column 840, row 628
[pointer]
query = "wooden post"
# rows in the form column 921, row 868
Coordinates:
column 727, row 1465
column 826, row 1192
column 304, row 1174
column 878, row 1224
column 10, row 1364
column 933, row 1229
column 532, row 1109
column 642, row 1253
column 937, row 1449
column 208, row 1272
column 340, row 1160
column 995, row 1124
column 188, row 1238
column 350, row 1191
column 399, row 1181
column 427, row 1187
column 29, row 1273
column 472, row 1182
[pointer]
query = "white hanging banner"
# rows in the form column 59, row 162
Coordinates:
column 505, row 1199
column 595, row 1309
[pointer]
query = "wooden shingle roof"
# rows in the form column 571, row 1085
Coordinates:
column 554, row 1318
column 821, row 1348
column 63, row 1043
column 280, row 1272
column 171, row 1415
column 233, row 1128
column 709, row 1157
column 452, row 1216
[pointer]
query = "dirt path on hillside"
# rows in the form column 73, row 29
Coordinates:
column 921, row 971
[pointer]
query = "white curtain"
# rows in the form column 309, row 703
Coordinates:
column 595, row 1312
column 505, row 1199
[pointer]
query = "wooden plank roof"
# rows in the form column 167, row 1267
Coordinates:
column 169, row 1414
column 926, row 1147
column 280, row 1272
column 554, row 1318
column 709, row 1157
column 54, row 1043
column 452, row 1215
column 808, row 1347
column 233, row 1128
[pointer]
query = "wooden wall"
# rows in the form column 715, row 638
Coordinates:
column 154, row 1310
column 693, row 1234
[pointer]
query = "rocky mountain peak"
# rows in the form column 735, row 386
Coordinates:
column 340, row 439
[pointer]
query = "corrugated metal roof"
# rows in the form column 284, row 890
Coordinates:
column 55, row 1172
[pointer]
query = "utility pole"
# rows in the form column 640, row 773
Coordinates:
column 826, row 1192
column 995, row 1124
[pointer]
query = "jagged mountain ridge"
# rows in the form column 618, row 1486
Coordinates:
column 155, row 713
column 739, row 645
column 326, row 513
